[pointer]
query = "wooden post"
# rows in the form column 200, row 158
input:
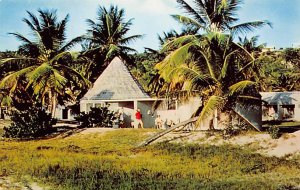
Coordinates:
column 135, row 106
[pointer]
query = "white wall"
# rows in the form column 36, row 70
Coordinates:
column 183, row 112
column 59, row 113
column 296, row 101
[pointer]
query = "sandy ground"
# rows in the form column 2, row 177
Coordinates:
column 286, row 145
column 97, row 130
column 9, row 184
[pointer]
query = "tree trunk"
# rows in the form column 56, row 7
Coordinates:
column 53, row 106
column 215, row 119
column 160, row 134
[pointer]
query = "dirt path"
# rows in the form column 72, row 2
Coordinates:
column 7, row 183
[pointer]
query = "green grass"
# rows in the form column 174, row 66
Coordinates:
column 111, row 161
column 283, row 124
column 290, row 124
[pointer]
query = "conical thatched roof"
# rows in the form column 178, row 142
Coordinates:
column 116, row 83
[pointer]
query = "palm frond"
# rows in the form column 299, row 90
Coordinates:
column 8, row 60
column 21, row 38
column 73, row 72
column 6, row 100
column 172, row 61
column 239, row 87
column 10, row 80
column 187, row 21
column 177, row 42
column 213, row 103
column 71, row 43
column 113, row 49
column 35, row 22
column 189, row 10
column 225, row 64
column 249, row 26
column 61, row 55
column 42, row 70
column 128, row 40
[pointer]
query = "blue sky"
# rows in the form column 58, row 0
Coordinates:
column 151, row 17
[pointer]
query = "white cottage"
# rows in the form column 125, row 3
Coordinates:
column 118, row 88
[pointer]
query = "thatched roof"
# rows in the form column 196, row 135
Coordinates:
column 116, row 83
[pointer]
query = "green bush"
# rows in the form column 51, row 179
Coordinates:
column 31, row 123
column 274, row 131
column 230, row 131
column 97, row 117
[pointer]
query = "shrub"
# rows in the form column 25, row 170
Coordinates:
column 97, row 117
column 31, row 123
column 274, row 131
column 230, row 131
column 236, row 129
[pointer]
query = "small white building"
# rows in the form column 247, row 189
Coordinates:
column 284, row 106
column 118, row 88
column 63, row 113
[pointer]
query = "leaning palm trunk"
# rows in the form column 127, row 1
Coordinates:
column 162, row 133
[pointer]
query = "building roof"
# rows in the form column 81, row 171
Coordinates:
column 280, row 98
column 116, row 83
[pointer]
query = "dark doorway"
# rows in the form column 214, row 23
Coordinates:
column 65, row 113
column 1, row 113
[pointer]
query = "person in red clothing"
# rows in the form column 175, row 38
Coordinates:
column 138, row 118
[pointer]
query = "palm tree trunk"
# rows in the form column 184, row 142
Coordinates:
column 162, row 133
column 54, row 104
column 215, row 119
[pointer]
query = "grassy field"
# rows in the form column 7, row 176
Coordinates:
column 110, row 161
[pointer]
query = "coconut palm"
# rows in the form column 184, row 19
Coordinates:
column 107, row 38
column 251, row 44
column 211, row 65
column 218, row 15
column 209, row 62
column 44, row 64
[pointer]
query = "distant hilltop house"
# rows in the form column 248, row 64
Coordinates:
column 283, row 106
column 268, row 49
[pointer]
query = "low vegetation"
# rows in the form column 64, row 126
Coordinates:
column 274, row 131
column 31, row 123
column 111, row 161
column 97, row 117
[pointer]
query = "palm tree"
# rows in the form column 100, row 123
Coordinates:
column 251, row 45
column 107, row 38
column 211, row 65
column 44, row 64
column 217, row 15
column 209, row 62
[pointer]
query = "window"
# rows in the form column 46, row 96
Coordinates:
column 288, row 111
